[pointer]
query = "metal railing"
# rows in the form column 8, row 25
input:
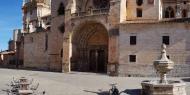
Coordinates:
column 90, row 13
column 100, row 11
column 79, row 14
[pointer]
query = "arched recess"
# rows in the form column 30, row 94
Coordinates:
column 61, row 9
column 184, row 13
column 169, row 12
column 101, row 4
column 139, row 2
column 90, row 48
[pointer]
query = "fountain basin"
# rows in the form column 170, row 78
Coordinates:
column 157, row 88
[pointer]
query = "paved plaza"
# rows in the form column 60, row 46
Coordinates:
column 77, row 83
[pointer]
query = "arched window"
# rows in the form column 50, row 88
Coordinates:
column 61, row 10
column 61, row 53
column 139, row 12
column 62, row 28
column 101, row 3
column 184, row 2
column 46, row 42
column 139, row 2
column 184, row 13
column 169, row 12
column 105, row 4
column 172, row 14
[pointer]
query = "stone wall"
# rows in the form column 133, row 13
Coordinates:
column 147, row 49
column 149, row 10
column 56, row 37
column 146, row 70
column 35, row 51
column 8, row 59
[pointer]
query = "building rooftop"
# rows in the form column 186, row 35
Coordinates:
column 7, row 52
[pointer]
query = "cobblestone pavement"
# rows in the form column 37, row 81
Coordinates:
column 76, row 83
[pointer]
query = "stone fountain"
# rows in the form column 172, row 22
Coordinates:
column 163, row 86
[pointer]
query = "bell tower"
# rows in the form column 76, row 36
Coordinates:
column 33, row 11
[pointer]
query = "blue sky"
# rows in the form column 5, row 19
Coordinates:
column 10, row 18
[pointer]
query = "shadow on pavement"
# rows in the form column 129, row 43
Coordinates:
column 132, row 92
column 126, row 92
column 87, row 73
column 186, row 79
column 30, row 69
column 98, row 93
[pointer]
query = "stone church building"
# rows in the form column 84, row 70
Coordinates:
column 117, row 37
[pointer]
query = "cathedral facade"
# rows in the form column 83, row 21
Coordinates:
column 117, row 37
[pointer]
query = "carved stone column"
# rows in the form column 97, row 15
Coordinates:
column 67, row 46
column 178, row 11
column 66, row 55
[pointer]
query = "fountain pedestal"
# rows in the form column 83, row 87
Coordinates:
column 163, row 86
column 155, row 88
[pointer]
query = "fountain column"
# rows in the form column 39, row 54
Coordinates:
column 163, row 86
column 163, row 65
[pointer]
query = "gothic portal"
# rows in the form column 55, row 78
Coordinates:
column 90, row 48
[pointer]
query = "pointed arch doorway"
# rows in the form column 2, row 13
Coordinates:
column 90, row 48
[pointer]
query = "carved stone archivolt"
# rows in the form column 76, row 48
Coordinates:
column 89, row 40
column 84, row 33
